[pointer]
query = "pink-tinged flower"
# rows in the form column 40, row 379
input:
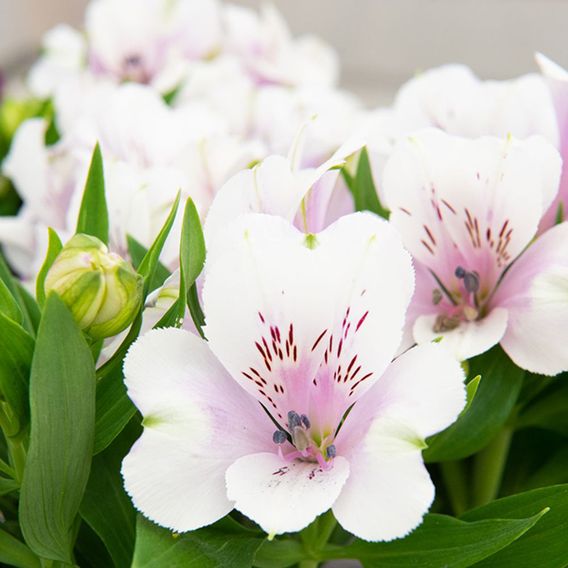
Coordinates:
column 557, row 80
column 309, row 197
column 269, row 52
column 150, row 152
column 453, row 99
column 293, row 406
column 468, row 211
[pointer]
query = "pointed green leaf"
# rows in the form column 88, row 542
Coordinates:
column 8, row 305
column 62, row 408
column 29, row 311
column 149, row 264
column 546, row 545
column 53, row 249
column 137, row 253
column 16, row 351
column 225, row 543
column 362, row 187
column 93, row 215
column 492, row 405
column 439, row 542
column 106, row 507
column 16, row 553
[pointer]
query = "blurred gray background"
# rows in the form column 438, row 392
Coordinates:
column 380, row 42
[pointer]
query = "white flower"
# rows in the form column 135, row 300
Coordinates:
column 468, row 211
column 300, row 330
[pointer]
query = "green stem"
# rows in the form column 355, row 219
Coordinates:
column 314, row 538
column 489, row 465
column 455, row 481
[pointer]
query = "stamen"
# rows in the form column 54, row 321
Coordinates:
column 279, row 437
column 436, row 296
column 331, row 451
column 305, row 421
column 471, row 282
column 460, row 272
column 293, row 419
column 300, row 439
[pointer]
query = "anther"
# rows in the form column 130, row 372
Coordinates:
column 460, row 272
column 293, row 419
column 279, row 437
column 471, row 282
column 331, row 451
column 436, row 296
column 305, row 421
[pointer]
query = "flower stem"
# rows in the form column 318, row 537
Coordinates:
column 489, row 466
column 455, row 480
column 308, row 564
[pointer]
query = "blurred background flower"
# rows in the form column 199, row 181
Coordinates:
column 380, row 46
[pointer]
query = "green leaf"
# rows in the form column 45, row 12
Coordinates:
column 8, row 305
column 279, row 554
column 62, row 405
column 53, row 249
column 363, row 188
column 439, row 542
column 25, row 302
column 8, row 485
column 192, row 245
column 192, row 259
column 16, row 553
column 225, row 543
column 16, row 351
column 137, row 253
column 549, row 411
column 114, row 409
column 106, row 507
column 93, row 215
column 545, row 546
column 495, row 398
column 149, row 264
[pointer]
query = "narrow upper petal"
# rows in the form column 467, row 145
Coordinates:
column 197, row 421
column 307, row 323
column 283, row 496
column 474, row 203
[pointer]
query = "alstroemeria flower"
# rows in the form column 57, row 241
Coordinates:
column 468, row 211
column 293, row 405
column 150, row 152
column 265, row 45
column 309, row 197
column 453, row 99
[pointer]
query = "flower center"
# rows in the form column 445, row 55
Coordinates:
column 464, row 304
column 306, row 446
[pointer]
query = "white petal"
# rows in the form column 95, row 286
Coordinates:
column 469, row 338
column 27, row 148
column 535, row 291
column 350, row 290
column 197, row 421
column 388, row 490
column 283, row 496
column 455, row 199
column 422, row 390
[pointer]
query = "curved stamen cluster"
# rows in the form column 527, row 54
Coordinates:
column 464, row 305
column 306, row 448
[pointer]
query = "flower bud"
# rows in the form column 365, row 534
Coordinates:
column 101, row 289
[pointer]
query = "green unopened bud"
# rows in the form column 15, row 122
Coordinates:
column 101, row 289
